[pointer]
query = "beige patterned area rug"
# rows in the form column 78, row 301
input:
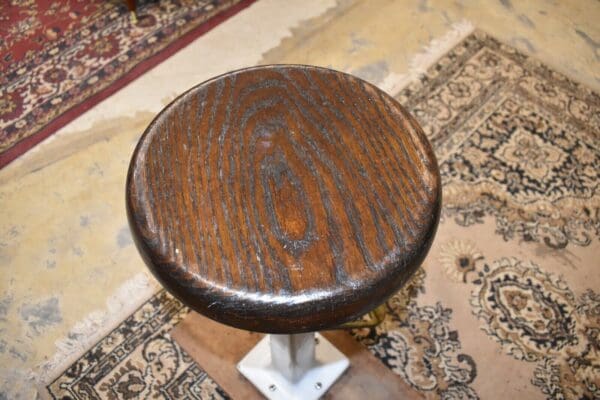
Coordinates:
column 506, row 304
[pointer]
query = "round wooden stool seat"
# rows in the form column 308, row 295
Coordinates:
column 283, row 199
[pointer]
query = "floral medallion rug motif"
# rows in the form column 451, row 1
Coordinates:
column 58, row 59
column 506, row 303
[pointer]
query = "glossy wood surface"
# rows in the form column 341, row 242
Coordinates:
column 283, row 198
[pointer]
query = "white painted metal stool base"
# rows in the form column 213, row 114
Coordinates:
column 293, row 367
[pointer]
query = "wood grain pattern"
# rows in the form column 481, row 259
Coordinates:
column 283, row 198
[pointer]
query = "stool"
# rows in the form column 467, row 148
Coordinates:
column 287, row 200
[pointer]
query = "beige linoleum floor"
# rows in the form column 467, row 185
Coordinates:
column 65, row 247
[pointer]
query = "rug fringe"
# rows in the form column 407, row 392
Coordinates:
column 128, row 297
column 140, row 288
column 421, row 61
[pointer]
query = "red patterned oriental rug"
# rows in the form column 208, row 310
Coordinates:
column 59, row 58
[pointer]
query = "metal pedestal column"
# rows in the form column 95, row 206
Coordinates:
column 300, row 366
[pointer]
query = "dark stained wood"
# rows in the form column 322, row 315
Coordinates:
column 218, row 348
column 283, row 199
column 131, row 5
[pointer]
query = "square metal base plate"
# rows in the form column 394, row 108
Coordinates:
column 257, row 367
column 218, row 349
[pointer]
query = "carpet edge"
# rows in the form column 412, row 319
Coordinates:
column 94, row 326
column 26, row 144
column 420, row 62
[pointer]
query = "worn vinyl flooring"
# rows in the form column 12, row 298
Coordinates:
column 66, row 256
